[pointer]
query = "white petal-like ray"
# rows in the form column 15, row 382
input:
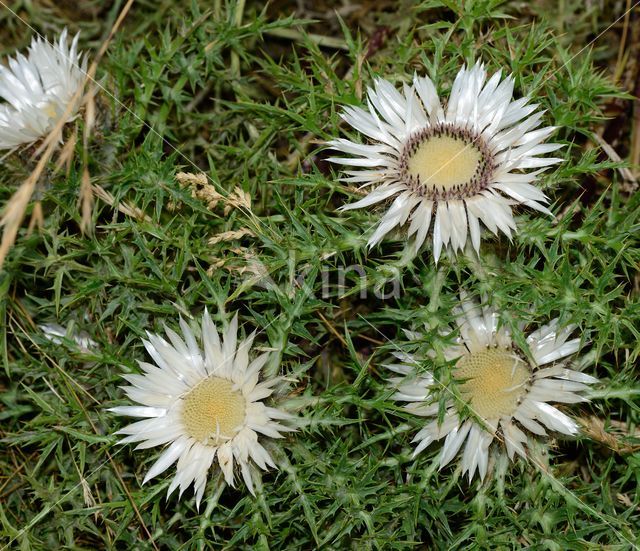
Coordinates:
column 138, row 411
column 476, row 452
column 555, row 419
column 252, row 373
column 168, row 457
column 225, row 458
column 241, row 360
column 453, row 441
column 514, row 439
column 379, row 194
column 211, row 341
column 561, row 372
column 259, row 392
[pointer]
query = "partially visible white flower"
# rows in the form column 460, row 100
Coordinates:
column 451, row 166
column 205, row 404
column 37, row 90
column 57, row 333
column 504, row 394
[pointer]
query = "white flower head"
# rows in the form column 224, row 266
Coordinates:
column 37, row 90
column 203, row 405
column 504, row 394
column 465, row 161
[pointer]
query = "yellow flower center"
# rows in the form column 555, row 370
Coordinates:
column 492, row 382
column 50, row 110
column 444, row 162
column 212, row 411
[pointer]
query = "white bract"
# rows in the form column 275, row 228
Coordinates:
column 57, row 334
column 203, row 405
column 37, row 90
column 504, row 394
column 466, row 161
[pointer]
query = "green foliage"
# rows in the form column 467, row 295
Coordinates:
column 249, row 97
